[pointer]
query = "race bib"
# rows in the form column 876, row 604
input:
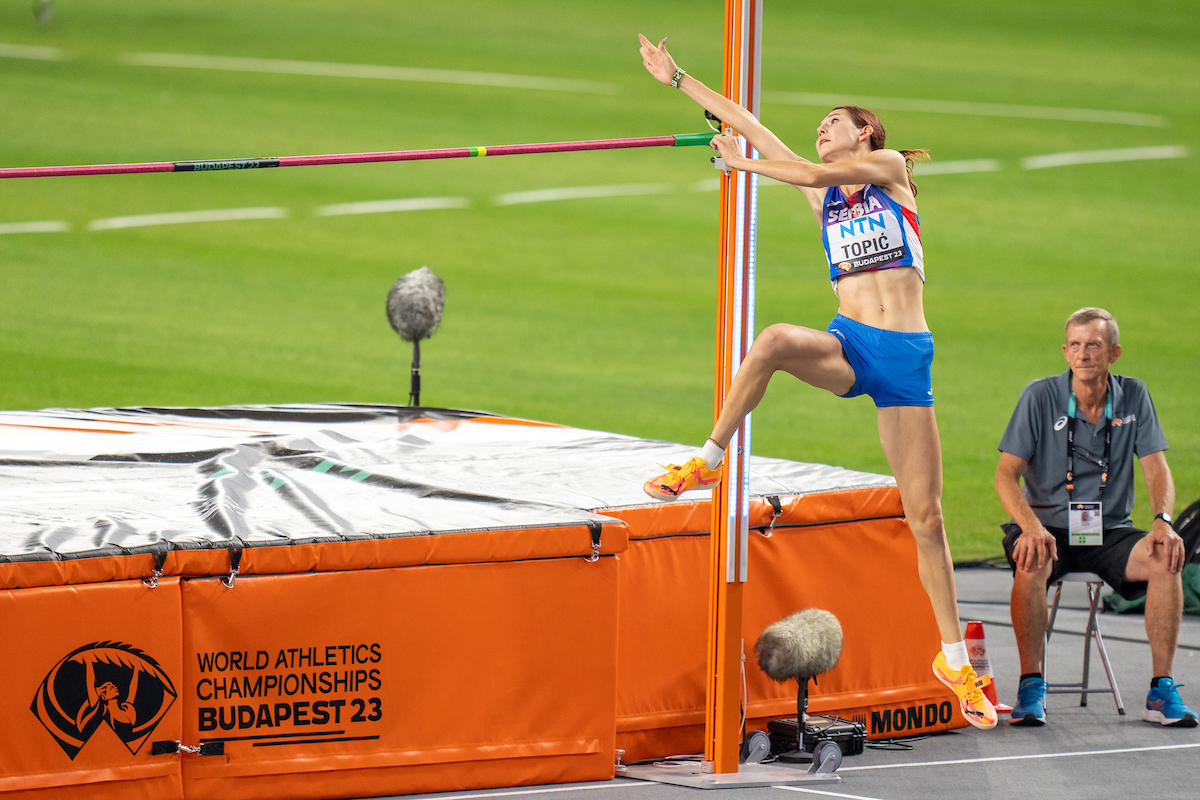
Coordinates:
column 865, row 241
column 1085, row 524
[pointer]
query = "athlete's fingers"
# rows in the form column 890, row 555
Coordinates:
column 647, row 48
column 1053, row 549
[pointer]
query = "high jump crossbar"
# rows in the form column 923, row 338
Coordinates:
column 675, row 140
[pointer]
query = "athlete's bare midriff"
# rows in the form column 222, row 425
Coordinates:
column 889, row 299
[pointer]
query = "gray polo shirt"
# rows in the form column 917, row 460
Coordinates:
column 1037, row 433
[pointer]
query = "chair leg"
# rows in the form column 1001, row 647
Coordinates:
column 1112, row 680
column 1093, row 592
column 1049, row 630
column 1094, row 589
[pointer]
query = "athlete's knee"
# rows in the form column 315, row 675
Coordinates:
column 773, row 345
column 767, row 345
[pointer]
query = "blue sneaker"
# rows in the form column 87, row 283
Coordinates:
column 1031, row 703
column 1164, row 706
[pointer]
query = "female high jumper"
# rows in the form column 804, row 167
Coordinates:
column 878, row 344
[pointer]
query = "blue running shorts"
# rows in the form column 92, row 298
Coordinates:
column 891, row 367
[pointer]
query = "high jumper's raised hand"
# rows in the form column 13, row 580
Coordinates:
column 657, row 61
column 846, row 159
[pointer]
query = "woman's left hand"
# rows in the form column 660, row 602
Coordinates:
column 657, row 60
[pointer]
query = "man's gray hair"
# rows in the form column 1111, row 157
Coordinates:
column 1090, row 314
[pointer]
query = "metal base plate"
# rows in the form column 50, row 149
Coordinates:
column 748, row 775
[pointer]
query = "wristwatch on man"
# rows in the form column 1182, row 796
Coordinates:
column 1165, row 517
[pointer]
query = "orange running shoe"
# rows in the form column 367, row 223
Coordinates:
column 976, row 708
column 677, row 480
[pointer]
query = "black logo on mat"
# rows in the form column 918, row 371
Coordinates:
column 99, row 683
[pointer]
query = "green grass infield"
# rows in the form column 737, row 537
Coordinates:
column 592, row 311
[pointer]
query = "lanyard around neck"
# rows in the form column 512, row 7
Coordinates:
column 1103, row 463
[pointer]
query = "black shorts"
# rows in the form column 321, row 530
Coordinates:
column 1107, row 560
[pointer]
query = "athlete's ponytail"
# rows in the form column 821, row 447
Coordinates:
column 862, row 118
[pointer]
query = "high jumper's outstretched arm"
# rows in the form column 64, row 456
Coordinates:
column 884, row 168
column 659, row 63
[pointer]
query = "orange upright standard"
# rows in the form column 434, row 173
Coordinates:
column 735, row 332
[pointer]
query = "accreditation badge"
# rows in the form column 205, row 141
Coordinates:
column 1085, row 524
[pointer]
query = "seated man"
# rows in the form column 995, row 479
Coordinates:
column 1073, row 438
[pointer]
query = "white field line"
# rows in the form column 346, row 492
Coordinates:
column 826, row 793
column 47, row 226
column 185, row 217
column 520, row 792
column 968, row 109
column 385, row 206
column 920, row 169
column 581, row 193
column 956, row 167
column 371, row 71
column 1103, row 156
column 30, row 51
column 714, row 184
column 1029, row 757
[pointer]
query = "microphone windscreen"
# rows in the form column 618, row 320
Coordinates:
column 415, row 303
column 802, row 645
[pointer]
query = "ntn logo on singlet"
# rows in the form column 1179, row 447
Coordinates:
column 863, row 224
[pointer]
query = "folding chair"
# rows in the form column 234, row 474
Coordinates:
column 1094, row 584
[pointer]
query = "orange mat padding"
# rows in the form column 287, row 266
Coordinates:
column 59, row 736
column 402, row 551
column 405, row 677
column 318, row 685
column 425, row 600
column 864, row 571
